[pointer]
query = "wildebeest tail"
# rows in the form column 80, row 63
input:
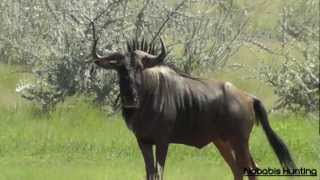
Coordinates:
column 275, row 141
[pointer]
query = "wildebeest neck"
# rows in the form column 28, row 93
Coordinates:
column 128, row 89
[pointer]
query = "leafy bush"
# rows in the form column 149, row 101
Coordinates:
column 296, row 84
column 56, row 80
column 296, row 80
column 54, row 38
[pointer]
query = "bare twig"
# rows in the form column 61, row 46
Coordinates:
column 262, row 46
column 167, row 19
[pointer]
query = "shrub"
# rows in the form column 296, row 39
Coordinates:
column 296, row 80
column 57, row 40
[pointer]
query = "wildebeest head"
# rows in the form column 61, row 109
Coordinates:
column 129, row 65
column 139, row 55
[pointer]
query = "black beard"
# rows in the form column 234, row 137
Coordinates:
column 128, row 91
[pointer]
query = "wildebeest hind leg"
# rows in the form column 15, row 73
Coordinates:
column 254, row 164
column 243, row 158
column 227, row 153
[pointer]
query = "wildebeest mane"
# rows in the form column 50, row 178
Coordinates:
column 173, row 91
column 151, row 48
column 143, row 45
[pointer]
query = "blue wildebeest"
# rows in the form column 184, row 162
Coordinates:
column 162, row 105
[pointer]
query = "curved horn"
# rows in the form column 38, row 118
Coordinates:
column 94, row 51
column 163, row 53
column 95, row 41
column 112, row 56
column 152, row 60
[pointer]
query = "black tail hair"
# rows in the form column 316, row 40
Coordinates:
column 275, row 141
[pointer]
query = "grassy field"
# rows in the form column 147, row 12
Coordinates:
column 81, row 143
column 78, row 141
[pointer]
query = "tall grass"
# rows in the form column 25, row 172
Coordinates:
column 80, row 142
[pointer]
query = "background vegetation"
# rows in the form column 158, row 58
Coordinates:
column 67, row 131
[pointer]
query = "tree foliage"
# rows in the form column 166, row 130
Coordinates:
column 54, row 39
column 296, row 80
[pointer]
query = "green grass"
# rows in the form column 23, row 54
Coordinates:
column 8, row 80
column 82, row 143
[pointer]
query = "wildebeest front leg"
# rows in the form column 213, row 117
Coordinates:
column 161, row 155
column 147, row 153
